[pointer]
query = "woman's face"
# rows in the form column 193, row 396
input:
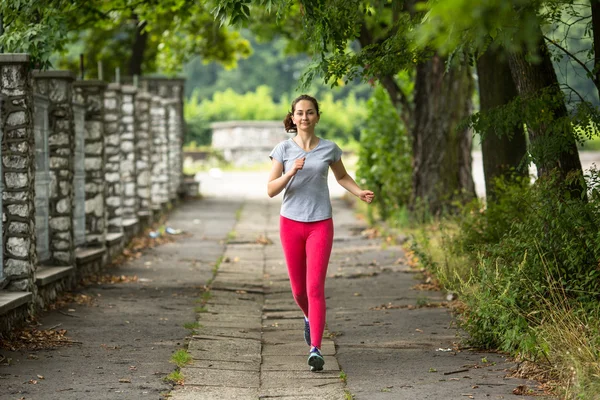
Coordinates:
column 305, row 115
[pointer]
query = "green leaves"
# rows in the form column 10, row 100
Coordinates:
column 385, row 156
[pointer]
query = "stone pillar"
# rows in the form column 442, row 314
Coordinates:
column 128, row 153
column 41, row 128
column 159, row 161
column 1, row 191
column 57, row 85
column 178, row 95
column 143, row 154
column 112, row 150
column 171, row 89
column 92, row 95
column 172, row 148
column 79, row 173
column 18, row 211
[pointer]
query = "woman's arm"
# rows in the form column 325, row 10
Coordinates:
column 278, row 180
column 346, row 181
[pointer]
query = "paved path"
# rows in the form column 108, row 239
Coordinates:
column 379, row 343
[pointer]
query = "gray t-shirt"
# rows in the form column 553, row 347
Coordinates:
column 306, row 196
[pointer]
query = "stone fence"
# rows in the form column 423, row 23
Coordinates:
column 247, row 142
column 86, row 165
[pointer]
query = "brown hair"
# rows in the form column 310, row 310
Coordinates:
column 287, row 121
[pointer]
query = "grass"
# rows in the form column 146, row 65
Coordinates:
column 343, row 376
column 201, row 309
column 567, row 334
column 181, row 358
column 231, row 235
column 206, row 296
column 175, row 377
column 348, row 395
column 192, row 325
column 570, row 336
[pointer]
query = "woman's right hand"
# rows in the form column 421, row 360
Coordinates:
column 298, row 165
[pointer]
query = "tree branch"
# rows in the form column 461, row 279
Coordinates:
column 577, row 60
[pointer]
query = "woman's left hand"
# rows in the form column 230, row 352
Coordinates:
column 366, row 196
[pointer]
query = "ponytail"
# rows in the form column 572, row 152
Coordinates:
column 288, row 123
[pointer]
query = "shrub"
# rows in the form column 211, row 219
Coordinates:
column 385, row 156
column 340, row 119
column 531, row 242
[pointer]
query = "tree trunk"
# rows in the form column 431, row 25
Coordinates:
column 441, row 153
column 388, row 82
column 530, row 79
column 502, row 153
column 138, row 49
column 596, row 32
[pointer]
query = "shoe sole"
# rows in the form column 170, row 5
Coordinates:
column 316, row 362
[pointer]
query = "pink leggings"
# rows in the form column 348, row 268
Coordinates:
column 307, row 247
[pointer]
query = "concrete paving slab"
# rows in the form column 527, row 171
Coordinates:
column 231, row 298
column 225, row 349
column 244, row 309
column 220, row 331
column 214, row 393
column 240, row 324
column 299, row 348
column 227, row 365
column 298, row 380
column 296, row 363
column 283, row 324
column 225, row 378
column 304, row 393
column 204, row 317
column 278, row 315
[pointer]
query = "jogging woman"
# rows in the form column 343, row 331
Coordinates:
column 300, row 165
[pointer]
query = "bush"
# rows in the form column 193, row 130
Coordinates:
column 340, row 120
column 532, row 242
column 385, row 156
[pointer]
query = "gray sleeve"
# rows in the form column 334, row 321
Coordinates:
column 337, row 153
column 277, row 153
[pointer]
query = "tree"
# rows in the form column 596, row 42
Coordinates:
column 503, row 153
column 136, row 36
column 383, row 30
column 516, row 27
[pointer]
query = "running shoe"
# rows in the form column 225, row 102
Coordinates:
column 315, row 360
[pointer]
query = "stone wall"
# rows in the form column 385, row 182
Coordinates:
column 112, row 150
column 92, row 96
column 128, row 153
column 159, row 155
column 143, row 153
column 41, row 126
column 18, row 169
column 79, row 174
column 57, row 86
column 82, row 163
column 247, row 142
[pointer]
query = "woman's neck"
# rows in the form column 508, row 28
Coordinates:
column 306, row 140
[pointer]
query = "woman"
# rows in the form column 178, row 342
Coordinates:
column 301, row 165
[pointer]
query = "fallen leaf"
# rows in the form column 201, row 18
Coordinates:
column 520, row 390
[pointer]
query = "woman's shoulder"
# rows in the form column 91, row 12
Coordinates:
column 283, row 144
column 330, row 144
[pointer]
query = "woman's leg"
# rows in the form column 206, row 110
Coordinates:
column 318, row 251
column 293, row 243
